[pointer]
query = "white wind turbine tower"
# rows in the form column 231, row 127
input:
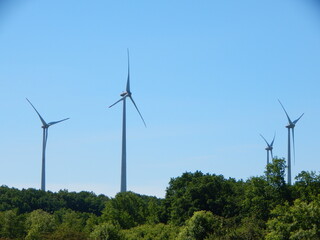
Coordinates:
column 124, row 95
column 291, row 125
column 269, row 148
column 45, row 127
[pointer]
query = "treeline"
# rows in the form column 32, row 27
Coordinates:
column 27, row 200
column 196, row 206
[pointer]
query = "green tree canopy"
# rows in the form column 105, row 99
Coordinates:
column 197, row 191
column 201, row 225
column 129, row 210
column 299, row 221
column 307, row 185
column 39, row 224
column 107, row 231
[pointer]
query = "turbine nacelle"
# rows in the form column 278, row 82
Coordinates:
column 290, row 125
column 269, row 148
column 47, row 125
column 126, row 94
column 269, row 145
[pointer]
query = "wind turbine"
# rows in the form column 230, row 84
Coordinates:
column 124, row 95
column 269, row 147
column 291, row 125
column 45, row 127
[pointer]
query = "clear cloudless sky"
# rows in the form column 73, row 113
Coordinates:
column 206, row 76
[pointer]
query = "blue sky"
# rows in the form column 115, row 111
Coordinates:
column 205, row 75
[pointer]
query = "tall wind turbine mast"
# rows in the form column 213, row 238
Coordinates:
column 291, row 126
column 124, row 95
column 269, row 148
column 45, row 127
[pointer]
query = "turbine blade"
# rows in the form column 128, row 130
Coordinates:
column 294, row 150
column 42, row 120
column 273, row 139
column 117, row 101
column 271, row 154
column 265, row 140
column 138, row 111
column 128, row 79
column 295, row 121
column 52, row 123
column 46, row 137
column 285, row 112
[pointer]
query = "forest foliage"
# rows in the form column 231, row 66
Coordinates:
column 196, row 206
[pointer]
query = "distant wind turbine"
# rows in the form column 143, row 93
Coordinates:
column 45, row 127
column 291, row 125
column 124, row 95
column 269, row 148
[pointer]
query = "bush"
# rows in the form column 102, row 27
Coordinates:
column 201, row 225
column 106, row 231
